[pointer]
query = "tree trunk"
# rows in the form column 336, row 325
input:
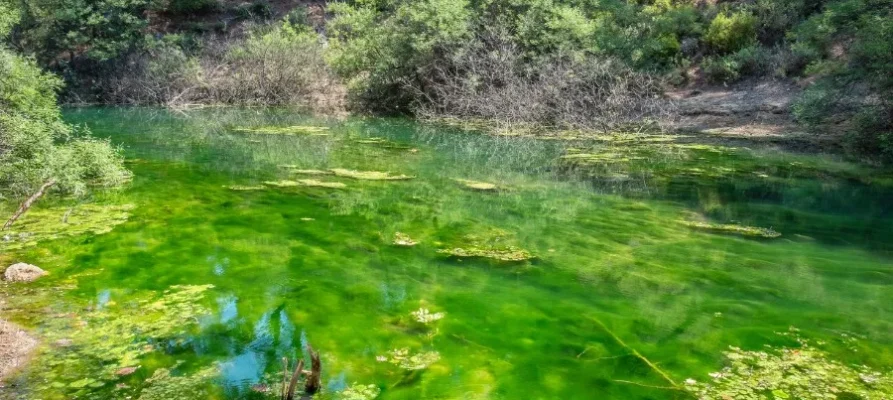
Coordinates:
column 313, row 384
column 27, row 204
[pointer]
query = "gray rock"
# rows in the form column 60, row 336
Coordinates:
column 22, row 272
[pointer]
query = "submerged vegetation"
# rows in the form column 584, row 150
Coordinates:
column 56, row 222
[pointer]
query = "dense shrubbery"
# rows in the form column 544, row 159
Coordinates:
column 403, row 56
column 36, row 147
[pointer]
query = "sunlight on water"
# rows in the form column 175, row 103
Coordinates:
column 446, row 264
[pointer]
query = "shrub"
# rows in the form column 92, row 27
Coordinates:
column 259, row 10
column 720, row 69
column 731, row 32
column 192, row 6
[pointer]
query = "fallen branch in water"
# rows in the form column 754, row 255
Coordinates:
column 637, row 354
column 28, row 203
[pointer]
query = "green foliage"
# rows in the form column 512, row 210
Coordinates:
column 730, row 32
column 259, row 10
column 36, row 146
column 379, row 52
column 192, row 6
column 95, row 30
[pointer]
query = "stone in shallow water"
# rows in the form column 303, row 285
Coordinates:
column 369, row 175
column 22, row 272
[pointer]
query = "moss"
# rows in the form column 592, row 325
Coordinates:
column 53, row 223
column 476, row 185
column 369, row 175
column 286, row 130
column 733, row 229
column 306, row 183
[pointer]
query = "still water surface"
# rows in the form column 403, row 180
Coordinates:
column 625, row 296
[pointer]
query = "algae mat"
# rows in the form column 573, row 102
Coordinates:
column 632, row 270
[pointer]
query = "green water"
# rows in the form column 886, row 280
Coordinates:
column 618, row 271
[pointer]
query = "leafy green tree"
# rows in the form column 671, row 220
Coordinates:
column 38, row 151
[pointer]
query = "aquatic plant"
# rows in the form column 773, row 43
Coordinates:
column 476, row 185
column 163, row 385
column 357, row 391
column 94, row 346
column 307, row 183
column 369, row 175
column 307, row 171
column 286, row 130
column 509, row 253
column 791, row 373
column 426, row 317
column 734, row 229
column 57, row 222
column 242, row 188
column 410, row 362
column 402, row 239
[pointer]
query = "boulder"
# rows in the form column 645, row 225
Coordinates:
column 22, row 272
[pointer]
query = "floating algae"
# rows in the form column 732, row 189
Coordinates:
column 242, row 188
column 357, row 391
column 804, row 373
column 286, row 130
column 163, row 385
column 494, row 244
column 93, row 347
column 53, row 223
column 426, row 317
column 751, row 231
column 509, row 253
column 306, row 183
column 310, row 172
column 411, row 362
column 477, row 185
column 369, row 175
column 402, row 239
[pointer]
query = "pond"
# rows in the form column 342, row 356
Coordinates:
column 424, row 261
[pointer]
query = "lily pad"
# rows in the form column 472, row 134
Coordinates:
column 369, row 175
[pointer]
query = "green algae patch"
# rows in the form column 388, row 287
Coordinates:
column 403, row 240
column 750, row 231
column 93, row 346
column 163, row 385
column 357, row 391
column 477, row 185
column 805, row 372
column 286, row 130
column 494, row 244
column 404, row 359
column 306, row 183
column 244, row 188
column 310, row 172
column 57, row 222
column 509, row 253
column 369, row 175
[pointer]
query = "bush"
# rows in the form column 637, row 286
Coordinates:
column 259, row 10
column 192, row 6
column 36, row 146
column 729, row 33
column 489, row 79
